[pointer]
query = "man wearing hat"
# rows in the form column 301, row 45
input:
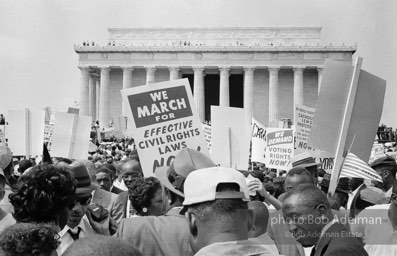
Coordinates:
column 216, row 209
column 386, row 167
column 80, row 222
column 306, row 160
column 342, row 191
column 108, row 200
column 380, row 236
column 167, row 234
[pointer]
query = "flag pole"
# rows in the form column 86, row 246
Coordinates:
column 345, row 127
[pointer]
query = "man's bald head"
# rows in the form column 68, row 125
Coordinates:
column 131, row 167
column 99, row 245
column 297, row 176
column 132, row 171
column 261, row 218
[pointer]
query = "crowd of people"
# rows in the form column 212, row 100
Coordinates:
column 104, row 205
column 186, row 43
column 386, row 133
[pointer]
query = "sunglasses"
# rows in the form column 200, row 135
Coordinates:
column 81, row 200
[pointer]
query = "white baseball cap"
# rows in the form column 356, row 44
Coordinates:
column 200, row 186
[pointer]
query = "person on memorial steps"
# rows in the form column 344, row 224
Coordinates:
column 312, row 223
column 167, row 234
column 216, row 210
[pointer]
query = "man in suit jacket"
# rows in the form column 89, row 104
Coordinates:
column 167, row 234
column 110, row 201
column 116, row 190
column 308, row 214
column 151, row 234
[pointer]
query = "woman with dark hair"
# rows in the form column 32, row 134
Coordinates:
column 44, row 195
column 29, row 239
column 146, row 196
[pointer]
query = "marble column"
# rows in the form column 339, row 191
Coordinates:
column 150, row 75
column 249, row 91
column 104, row 108
column 127, row 83
column 273, row 94
column 97, row 98
column 84, row 91
column 224, row 97
column 320, row 77
column 92, row 97
column 298, row 86
column 199, row 92
column 174, row 73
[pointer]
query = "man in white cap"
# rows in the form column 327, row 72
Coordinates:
column 216, row 210
column 167, row 234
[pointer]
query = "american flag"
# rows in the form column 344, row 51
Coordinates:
column 357, row 168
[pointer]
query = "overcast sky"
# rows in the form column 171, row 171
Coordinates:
column 38, row 66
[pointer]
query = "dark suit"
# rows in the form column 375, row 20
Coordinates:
column 278, row 230
column 166, row 235
column 338, row 241
column 110, row 202
column 123, row 198
column 116, row 190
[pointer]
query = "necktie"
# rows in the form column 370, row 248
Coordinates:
column 313, row 251
column 75, row 236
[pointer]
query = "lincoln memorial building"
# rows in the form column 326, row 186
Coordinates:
column 266, row 70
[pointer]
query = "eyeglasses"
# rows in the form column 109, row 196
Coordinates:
column 81, row 200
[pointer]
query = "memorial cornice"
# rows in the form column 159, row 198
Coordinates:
column 166, row 49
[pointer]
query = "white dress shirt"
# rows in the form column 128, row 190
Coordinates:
column 66, row 239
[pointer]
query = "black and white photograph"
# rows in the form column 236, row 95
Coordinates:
column 198, row 127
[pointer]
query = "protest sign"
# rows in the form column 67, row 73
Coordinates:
column 279, row 148
column 303, row 124
column 258, row 141
column 48, row 130
column 378, row 151
column 325, row 159
column 25, row 132
column 163, row 121
column 208, row 135
column 73, row 111
column 230, row 137
column 71, row 136
column 348, row 108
